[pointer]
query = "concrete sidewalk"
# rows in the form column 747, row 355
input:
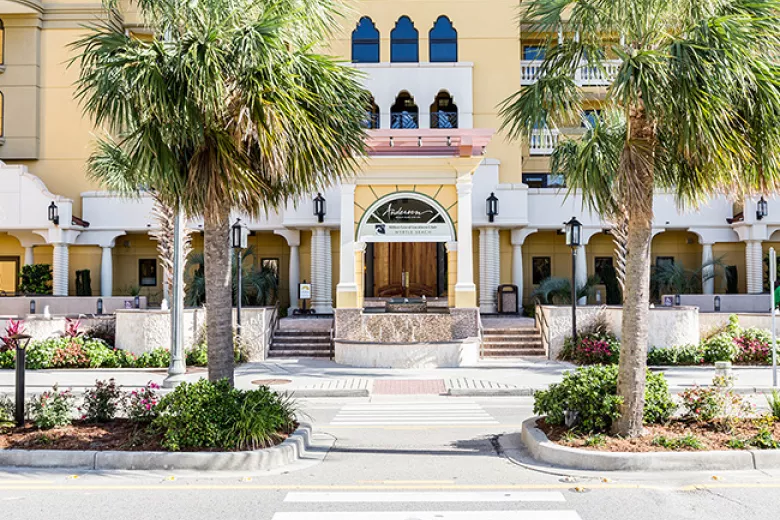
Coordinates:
column 323, row 378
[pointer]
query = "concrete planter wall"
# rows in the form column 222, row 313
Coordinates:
column 41, row 328
column 667, row 326
column 731, row 303
column 711, row 321
column 19, row 306
column 141, row 331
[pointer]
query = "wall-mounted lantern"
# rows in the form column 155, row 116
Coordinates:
column 54, row 214
column 762, row 209
column 492, row 207
column 320, row 207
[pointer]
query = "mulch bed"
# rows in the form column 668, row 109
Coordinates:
column 712, row 436
column 117, row 435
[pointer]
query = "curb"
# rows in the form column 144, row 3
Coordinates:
column 742, row 390
column 491, row 392
column 292, row 449
column 544, row 450
column 312, row 393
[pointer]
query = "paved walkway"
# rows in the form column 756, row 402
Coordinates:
column 323, row 378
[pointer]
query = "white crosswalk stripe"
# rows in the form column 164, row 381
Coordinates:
column 417, row 414
column 410, row 497
column 434, row 515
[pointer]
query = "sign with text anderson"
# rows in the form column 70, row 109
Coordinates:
column 406, row 220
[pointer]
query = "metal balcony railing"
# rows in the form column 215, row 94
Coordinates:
column 443, row 119
column 586, row 75
column 371, row 121
column 542, row 142
column 404, row 120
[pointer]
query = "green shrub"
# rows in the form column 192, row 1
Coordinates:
column 592, row 393
column 675, row 443
column 7, row 359
column 676, row 355
column 101, row 402
column 598, row 439
column 594, row 348
column 156, row 358
column 774, row 404
column 6, row 412
column 52, row 409
column 215, row 415
column 198, row 356
column 35, row 279
column 720, row 347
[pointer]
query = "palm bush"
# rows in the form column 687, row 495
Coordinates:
column 674, row 278
column 693, row 108
column 557, row 291
column 259, row 284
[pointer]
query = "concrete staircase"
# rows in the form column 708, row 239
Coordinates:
column 515, row 342
column 301, row 344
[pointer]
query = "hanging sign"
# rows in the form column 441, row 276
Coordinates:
column 304, row 291
column 406, row 219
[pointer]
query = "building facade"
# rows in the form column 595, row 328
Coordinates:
column 413, row 222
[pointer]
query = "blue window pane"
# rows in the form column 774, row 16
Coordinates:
column 404, row 42
column 533, row 52
column 443, row 41
column 365, row 42
column 589, row 118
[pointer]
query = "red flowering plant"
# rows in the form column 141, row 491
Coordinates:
column 595, row 348
column 141, row 405
column 70, row 356
column 13, row 328
column 72, row 328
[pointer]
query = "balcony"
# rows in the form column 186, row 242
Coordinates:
column 443, row 119
column 543, row 142
column 404, row 120
column 586, row 75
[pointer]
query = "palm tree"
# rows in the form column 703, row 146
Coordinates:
column 674, row 278
column 227, row 108
column 557, row 291
column 694, row 108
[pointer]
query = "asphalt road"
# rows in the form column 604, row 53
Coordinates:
column 396, row 458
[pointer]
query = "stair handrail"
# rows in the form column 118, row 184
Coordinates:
column 540, row 323
column 480, row 333
column 333, row 340
column 272, row 328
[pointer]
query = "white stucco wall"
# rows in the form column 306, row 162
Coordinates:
column 64, row 305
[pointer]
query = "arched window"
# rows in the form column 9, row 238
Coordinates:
column 365, row 42
column 404, row 42
column 372, row 115
column 443, row 41
column 444, row 113
column 404, row 113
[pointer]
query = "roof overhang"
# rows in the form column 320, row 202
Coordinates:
column 452, row 142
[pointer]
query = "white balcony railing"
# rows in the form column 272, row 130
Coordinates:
column 586, row 75
column 543, row 142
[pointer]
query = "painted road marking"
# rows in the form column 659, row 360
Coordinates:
column 434, row 515
column 412, row 414
column 497, row 496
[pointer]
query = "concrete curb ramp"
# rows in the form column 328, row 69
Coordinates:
column 544, row 450
column 292, row 449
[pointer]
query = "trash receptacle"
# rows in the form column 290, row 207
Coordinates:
column 508, row 299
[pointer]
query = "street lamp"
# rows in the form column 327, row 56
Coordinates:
column 492, row 207
column 573, row 231
column 20, row 343
column 320, row 207
column 239, row 243
column 54, row 214
column 762, row 209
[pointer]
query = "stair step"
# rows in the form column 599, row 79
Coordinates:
column 513, row 353
column 318, row 348
column 299, row 333
column 300, row 339
column 511, row 332
column 300, row 353
column 486, row 341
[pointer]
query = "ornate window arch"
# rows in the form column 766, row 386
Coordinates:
column 444, row 111
column 404, row 42
column 443, row 41
column 406, row 217
column 365, row 42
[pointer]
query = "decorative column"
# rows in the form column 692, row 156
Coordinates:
column 452, row 266
column 321, row 275
column 61, row 260
column 754, row 266
column 347, row 289
column 294, row 276
column 107, row 272
column 465, row 290
column 29, row 258
column 489, row 269
column 582, row 272
column 518, row 239
column 360, row 262
column 707, row 274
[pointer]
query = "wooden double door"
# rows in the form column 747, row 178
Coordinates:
column 408, row 269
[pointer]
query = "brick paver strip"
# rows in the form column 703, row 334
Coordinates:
column 409, row 386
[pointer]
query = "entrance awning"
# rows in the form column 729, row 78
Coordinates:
column 454, row 142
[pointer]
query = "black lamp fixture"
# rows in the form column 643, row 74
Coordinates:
column 762, row 209
column 320, row 207
column 573, row 232
column 20, row 342
column 237, row 235
column 492, row 207
column 239, row 243
column 54, row 215
column 100, row 305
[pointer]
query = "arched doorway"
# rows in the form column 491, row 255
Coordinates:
column 405, row 235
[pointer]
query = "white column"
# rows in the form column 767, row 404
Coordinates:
column 294, row 277
column 28, row 256
column 489, row 269
column 582, row 272
column 754, row 266
column 707, row 280
column 465, row 280
column 347, row 285
column 107, row 272
column 321, row 265
column 61, row 260
column 517, row 269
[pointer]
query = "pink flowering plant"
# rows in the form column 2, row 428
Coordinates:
column 101, row 402
column 72, row 328
column 718, row 401
column 598, row 348
column 141, row 405
column 13, row 328
column 52, row 409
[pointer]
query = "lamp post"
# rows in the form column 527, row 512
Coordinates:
column 762, row 209
column 20, row 344
column 239, row 243
column 491, row 207
column 573, row 240
column 320, row 207
column 54, row 214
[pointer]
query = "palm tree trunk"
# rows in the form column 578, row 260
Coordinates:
column 219, row 293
